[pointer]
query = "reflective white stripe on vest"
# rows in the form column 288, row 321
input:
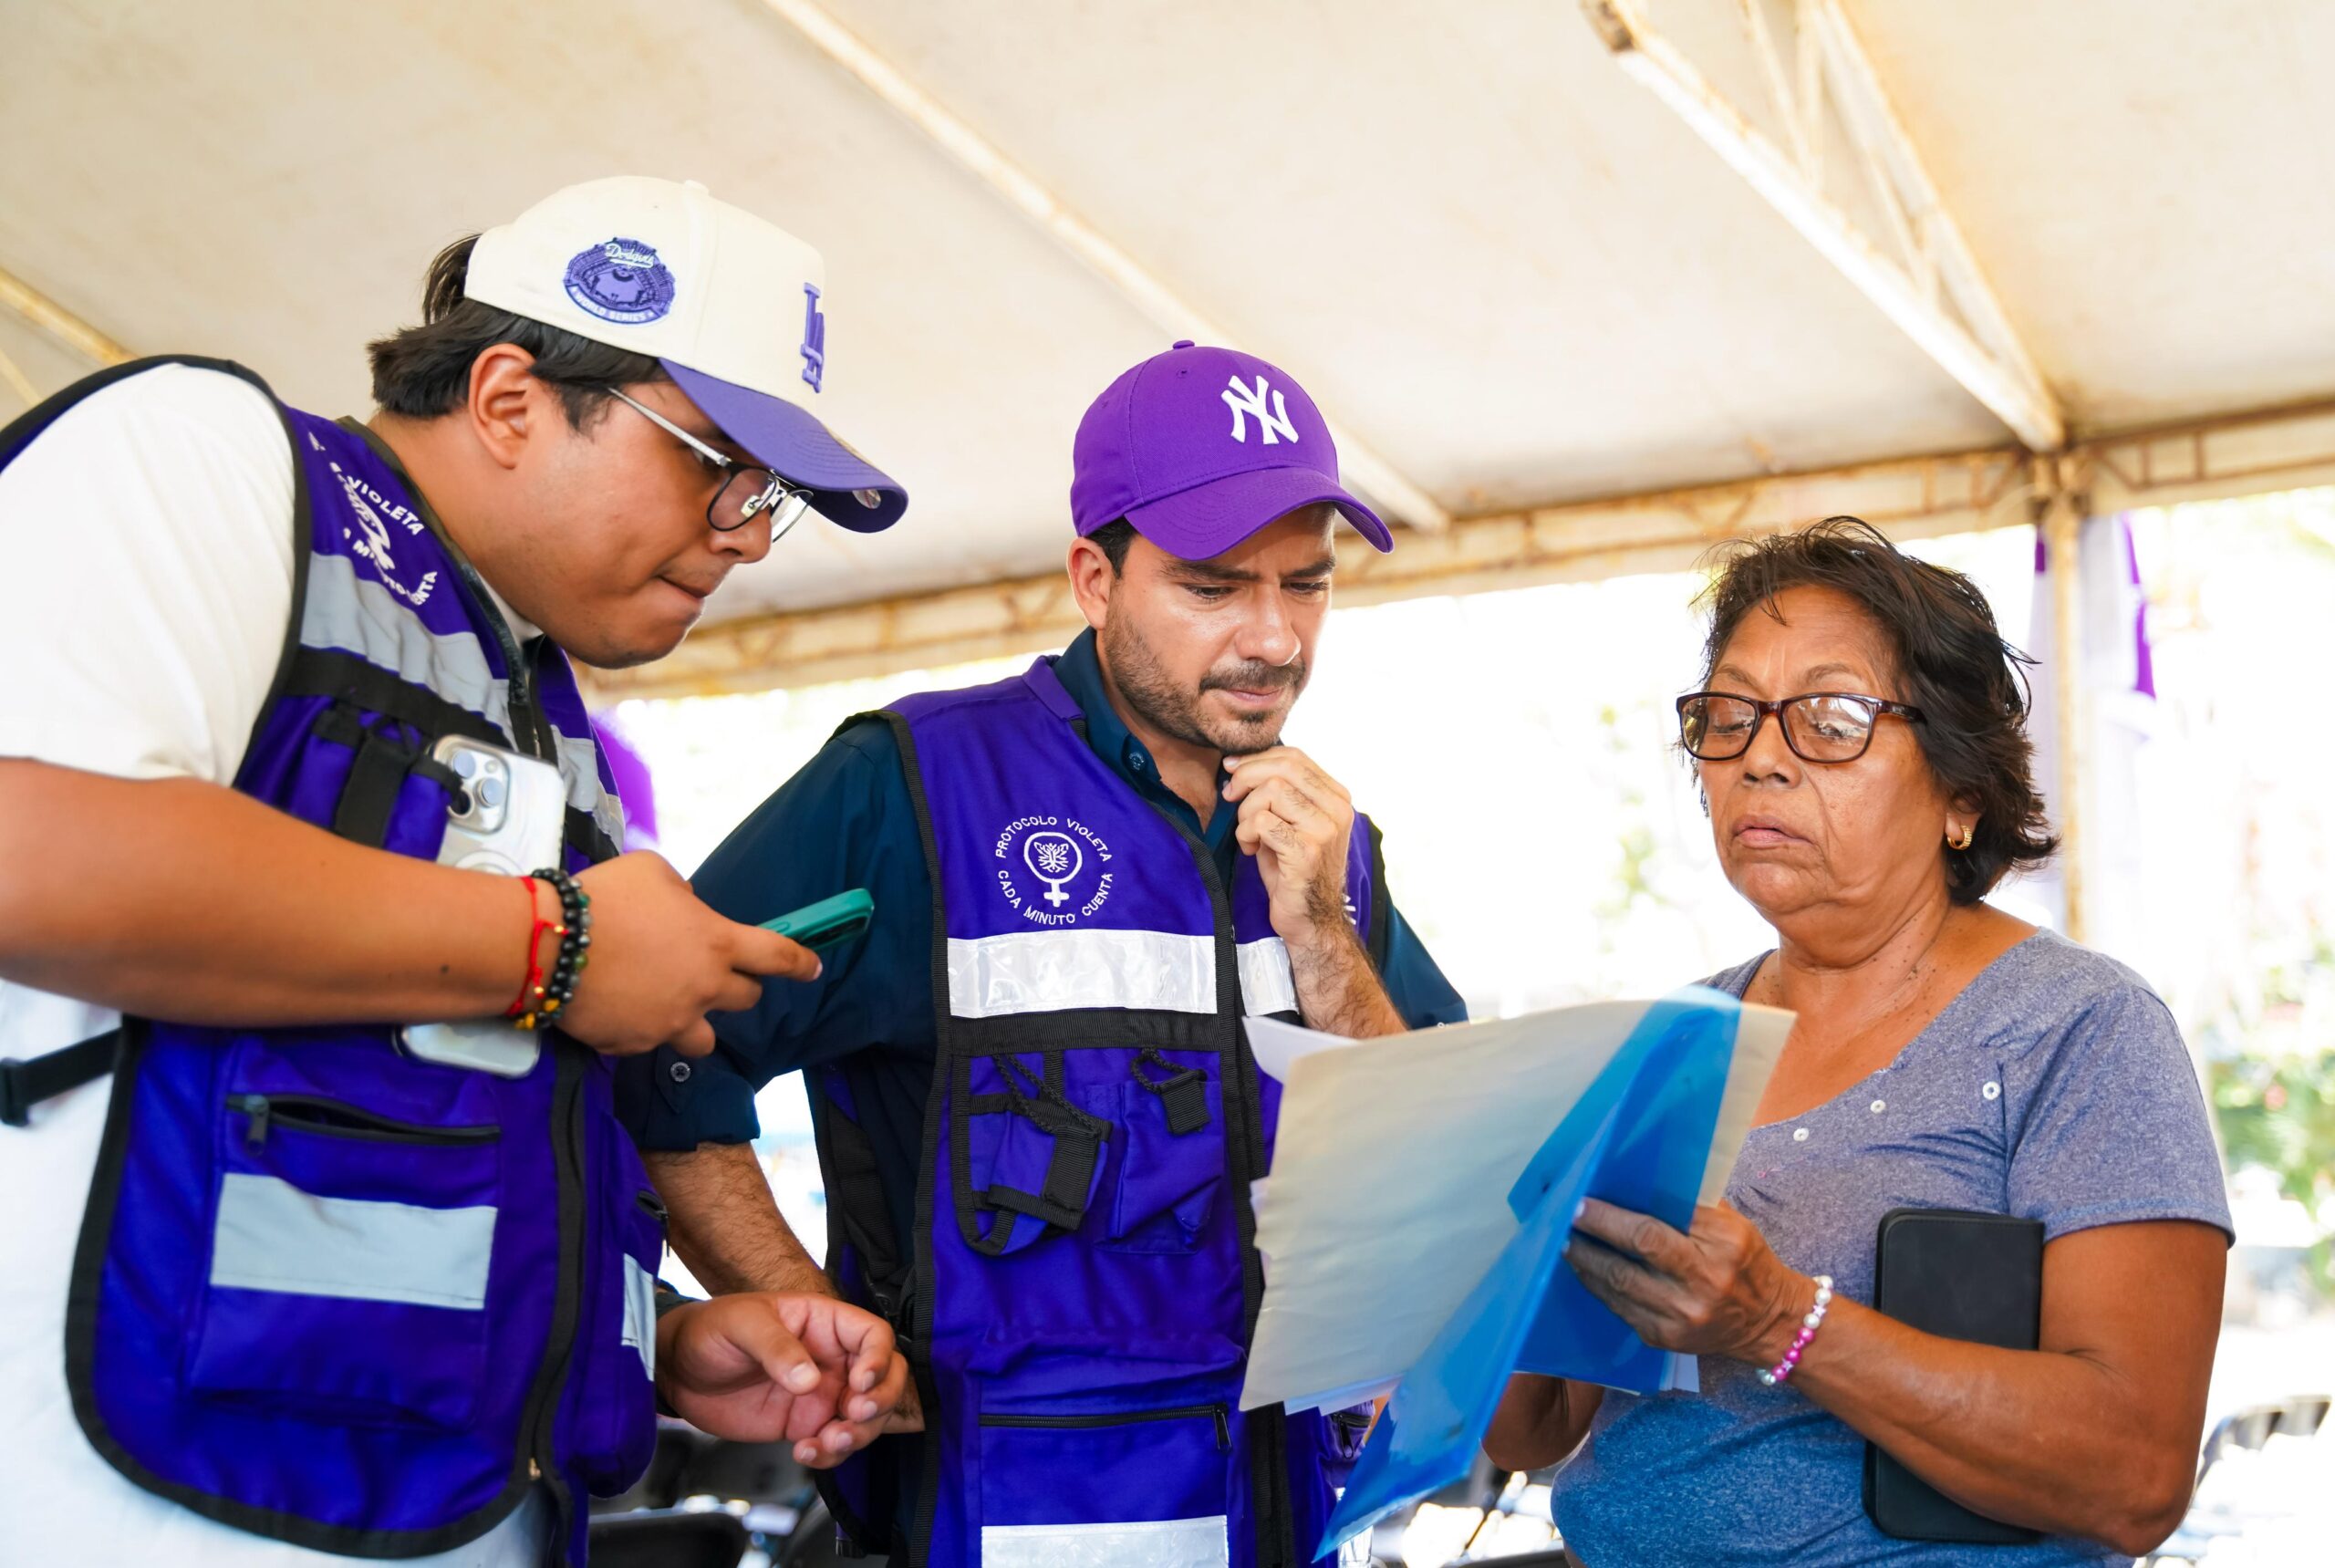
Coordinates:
column 640, row 1314
column 271, row 1236
column 1053, row 971
column 1154, row 1543
column 1266, row 984
column 1056, row 971
column 357, row 615
column 580, row 763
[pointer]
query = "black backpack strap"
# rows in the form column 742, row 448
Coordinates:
column 24, row 1085
column 1381, row 903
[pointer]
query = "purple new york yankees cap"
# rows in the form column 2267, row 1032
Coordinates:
column 729, row 303
column 1200, row 448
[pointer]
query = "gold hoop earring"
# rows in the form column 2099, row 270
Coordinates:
column 1969, row 832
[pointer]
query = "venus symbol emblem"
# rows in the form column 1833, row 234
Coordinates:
column 1054, row 858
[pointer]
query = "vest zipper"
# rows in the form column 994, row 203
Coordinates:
column 1219, row 1414
column 532, row 733
column 1244, row 1132
column 330, row 1118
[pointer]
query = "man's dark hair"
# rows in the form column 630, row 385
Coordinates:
column 423, row 372
column 1948, row 659
column 1116, row 538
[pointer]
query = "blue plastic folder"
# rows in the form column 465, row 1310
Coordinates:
column 1639, row 1137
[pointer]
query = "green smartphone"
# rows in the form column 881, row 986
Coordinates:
column 828, row 924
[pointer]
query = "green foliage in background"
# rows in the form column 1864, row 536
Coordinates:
column 2280, row 1115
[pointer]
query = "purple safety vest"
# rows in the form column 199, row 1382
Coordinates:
column 325, row 1292
column 1080, row 1292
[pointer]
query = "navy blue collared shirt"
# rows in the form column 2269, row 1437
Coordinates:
column 846, row 821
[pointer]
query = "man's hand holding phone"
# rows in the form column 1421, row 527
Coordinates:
column 661, row 961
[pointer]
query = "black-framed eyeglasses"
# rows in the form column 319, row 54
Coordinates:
column 746, row 491
column 1819, row 726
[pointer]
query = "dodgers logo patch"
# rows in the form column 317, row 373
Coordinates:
column 621, row 281
column 1053, row 869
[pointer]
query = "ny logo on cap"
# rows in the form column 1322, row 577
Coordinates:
column 814, row 337
column 1243, row 402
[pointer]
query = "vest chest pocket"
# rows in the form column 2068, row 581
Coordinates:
column 1171, row 1155
column 349, row 1255
column 1125, row 1147
column 1033, row 1153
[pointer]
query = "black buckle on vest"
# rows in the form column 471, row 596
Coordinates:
column 24, row 1085
column 385, row 759
column 1182, row 1095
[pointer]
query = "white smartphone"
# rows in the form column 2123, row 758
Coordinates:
column 509, row 818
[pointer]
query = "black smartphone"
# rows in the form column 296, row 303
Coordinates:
column 1959, row 1274
column 828, row 924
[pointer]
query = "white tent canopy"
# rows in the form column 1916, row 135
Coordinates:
column 1510, row 245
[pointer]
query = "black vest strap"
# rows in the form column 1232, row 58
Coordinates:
column 24, row 1085
column 327, row 672
column 855, row 1202
column 584, row 832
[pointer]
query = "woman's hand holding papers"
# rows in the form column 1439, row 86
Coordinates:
column 1713, row 1290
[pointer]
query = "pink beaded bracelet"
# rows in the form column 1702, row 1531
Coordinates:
column 1807, row 1327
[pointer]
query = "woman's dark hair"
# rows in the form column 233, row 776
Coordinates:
column 424, row 371
column 1948, row 660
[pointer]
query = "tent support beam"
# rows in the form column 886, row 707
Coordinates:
column 1361, row 465
column 37, row 310
column 2062, row 524
column 1922, row 274
column 18, row 381
column 2244, row 455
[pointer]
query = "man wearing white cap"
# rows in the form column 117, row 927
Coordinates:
column 297, row 1266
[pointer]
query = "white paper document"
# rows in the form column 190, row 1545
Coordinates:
column 1388, row 1201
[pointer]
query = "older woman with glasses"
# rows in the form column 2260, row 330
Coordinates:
column 1861, row 746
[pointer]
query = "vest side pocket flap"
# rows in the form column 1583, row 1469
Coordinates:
column 271, row 1236
column 349, row 1255
column 1055, row 1490
column 1035, row 1158
column 1137, row 1543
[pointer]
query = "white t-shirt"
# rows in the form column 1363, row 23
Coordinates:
column 145, row 593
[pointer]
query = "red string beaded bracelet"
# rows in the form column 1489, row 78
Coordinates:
column 556, row 990
column 532, row 986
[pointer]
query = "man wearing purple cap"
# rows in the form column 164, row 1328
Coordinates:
column 1037, row 1113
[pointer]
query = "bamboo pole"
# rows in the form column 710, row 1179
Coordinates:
column 2062, row 526
column 59, row 323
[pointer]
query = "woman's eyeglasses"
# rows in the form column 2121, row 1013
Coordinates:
column 746, row 491
column 1819, row 726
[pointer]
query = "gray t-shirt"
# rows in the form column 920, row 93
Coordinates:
column 2055, row 1087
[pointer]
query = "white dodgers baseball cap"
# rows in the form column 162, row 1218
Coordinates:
column 729, row 304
